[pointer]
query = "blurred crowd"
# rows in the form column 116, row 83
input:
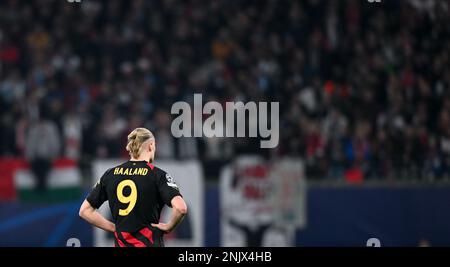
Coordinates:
column 364, row 88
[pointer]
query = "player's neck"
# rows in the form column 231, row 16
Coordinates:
column 140, row 159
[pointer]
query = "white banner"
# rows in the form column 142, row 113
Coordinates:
column 189, row 177
column 60, row 176
column 262, row 203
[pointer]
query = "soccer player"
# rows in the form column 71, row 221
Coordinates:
column 136, row 191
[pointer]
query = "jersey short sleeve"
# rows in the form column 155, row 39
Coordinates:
column 98, row 194
column 167, row 187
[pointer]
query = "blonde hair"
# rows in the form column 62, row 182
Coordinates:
column 135, row 140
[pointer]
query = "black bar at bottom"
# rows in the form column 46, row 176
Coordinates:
column 225, row 256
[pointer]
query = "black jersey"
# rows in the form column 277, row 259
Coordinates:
column 136, row 191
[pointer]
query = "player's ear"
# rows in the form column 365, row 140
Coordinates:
column 151, row 145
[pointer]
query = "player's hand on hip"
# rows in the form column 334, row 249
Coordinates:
column 163, row 227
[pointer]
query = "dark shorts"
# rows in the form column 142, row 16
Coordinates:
column 146, row 237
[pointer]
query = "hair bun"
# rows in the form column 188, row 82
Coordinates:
column 135, row 139
column 132, row 136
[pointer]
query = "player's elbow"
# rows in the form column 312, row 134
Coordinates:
column 179, row 205
column 183, row 210
column 84, row 210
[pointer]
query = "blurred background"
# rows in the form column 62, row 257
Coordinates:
column 364, row 93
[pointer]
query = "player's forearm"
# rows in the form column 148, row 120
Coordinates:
column 88, row 213
column 176, row 218
column 179, row 210
column 96, row 219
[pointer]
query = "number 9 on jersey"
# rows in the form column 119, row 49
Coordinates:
column 130, row 199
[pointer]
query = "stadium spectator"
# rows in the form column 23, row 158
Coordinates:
column 360, row 88
column 42, row 147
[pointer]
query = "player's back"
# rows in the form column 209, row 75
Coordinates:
column 137, row 192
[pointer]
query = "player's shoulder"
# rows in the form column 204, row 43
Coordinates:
column 165, row 177
column 157, row 170
column 108, row 172
column 160, row 173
